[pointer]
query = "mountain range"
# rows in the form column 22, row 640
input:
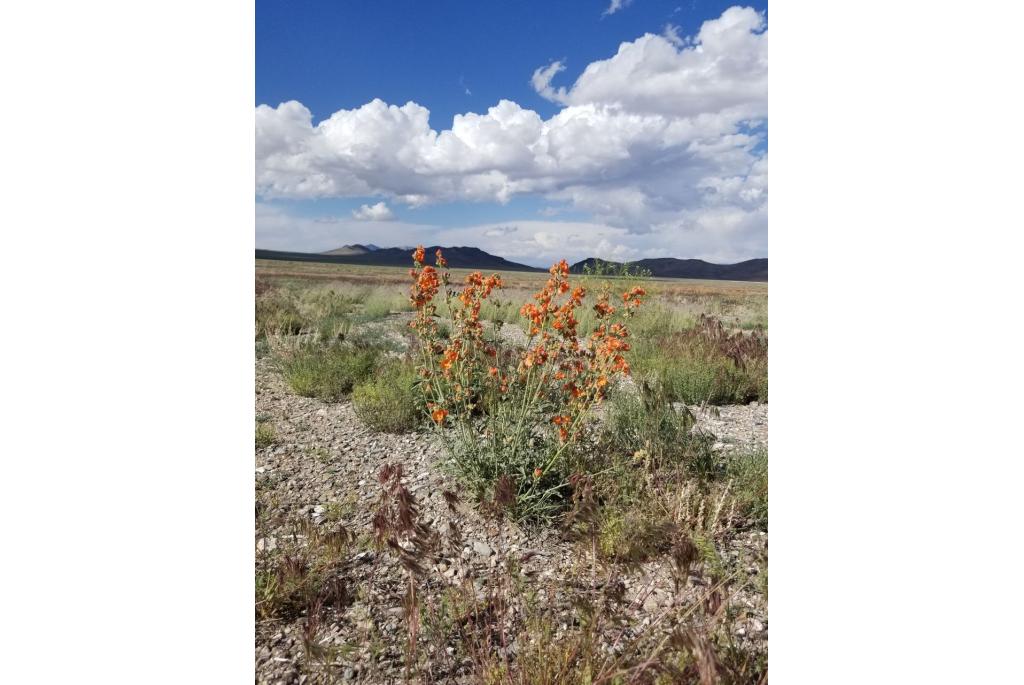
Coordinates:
column 475, row 258
column 670, row 267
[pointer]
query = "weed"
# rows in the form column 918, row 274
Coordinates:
column 389, row 401
column 265, row 434
column 326, row 372
column 299, row 568
column 749, row 473
column 707, row 364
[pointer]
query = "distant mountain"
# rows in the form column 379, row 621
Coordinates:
column 670, row 267
column 347, row 250
column 458, row 257
column 475, row 258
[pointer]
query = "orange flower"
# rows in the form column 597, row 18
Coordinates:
column 418, row 255
column 440, row 260
column 562, row 422
column 537, row 473
column 438, row 415
column 492, row 371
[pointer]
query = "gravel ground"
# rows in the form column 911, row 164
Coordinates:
column 325, row 459
column 734, row 426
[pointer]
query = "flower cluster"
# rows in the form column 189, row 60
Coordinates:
column 449, row 368
column 552, row 385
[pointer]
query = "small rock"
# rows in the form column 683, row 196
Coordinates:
column 482, row 549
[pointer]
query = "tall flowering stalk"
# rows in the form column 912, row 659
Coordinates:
column 516, row 414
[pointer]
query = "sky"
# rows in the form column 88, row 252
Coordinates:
column 537, row 131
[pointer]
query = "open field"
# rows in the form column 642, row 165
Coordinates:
column 739, row 303
column 380, row 558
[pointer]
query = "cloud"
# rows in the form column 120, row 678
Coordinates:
column 498, row 231
column 541, row 81
column 377, row 212
column 615, row 6
column 665, row 135
column 671, row 34
column 724, row 234
column 722, row 70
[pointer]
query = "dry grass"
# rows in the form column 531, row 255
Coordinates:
column 644, row 490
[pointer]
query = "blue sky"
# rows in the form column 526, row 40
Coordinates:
column 660, row 149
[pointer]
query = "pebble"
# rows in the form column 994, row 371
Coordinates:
column 350, row 479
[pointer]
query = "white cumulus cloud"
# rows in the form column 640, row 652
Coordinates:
column 664, row 135
column 377, row 212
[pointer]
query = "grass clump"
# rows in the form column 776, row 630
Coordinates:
column 389, row 401
column 300, row 568
column 649, row 433
column 265, row 435
column 643, row 424
column 749, row 474
column 327, row 372
column 708, row 364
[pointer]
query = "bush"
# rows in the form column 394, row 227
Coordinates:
column 645, row 427
column 539, row 400
column 644, row 424
column 749, row 473
column 707, row 364
column 389, row 401
column 327, row 372
column 265, row 435
column 277, row 314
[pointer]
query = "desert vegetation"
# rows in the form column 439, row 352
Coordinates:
column 508, row 478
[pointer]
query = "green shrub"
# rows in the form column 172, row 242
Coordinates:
column 644, row 424
column 707, row 364
column 749, row 473
column 327, row 372
column 265, row 435
column 389, row 401
column 277, row 314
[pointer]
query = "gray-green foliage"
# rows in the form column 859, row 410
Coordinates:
column 328, row 372
column 388, row 401
column 749, row 474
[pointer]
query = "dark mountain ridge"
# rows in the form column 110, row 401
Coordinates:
column 458, row 257
column 670, row 267
column 475, row 258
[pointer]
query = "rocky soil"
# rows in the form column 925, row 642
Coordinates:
column 323, row 467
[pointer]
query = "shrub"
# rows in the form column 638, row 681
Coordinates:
column 644, row 424
column 265, row 435
column 707, row 364
column 389, row 401
column 327, row 372
column 749, row 473
column 277, row 314
column 539, row 400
